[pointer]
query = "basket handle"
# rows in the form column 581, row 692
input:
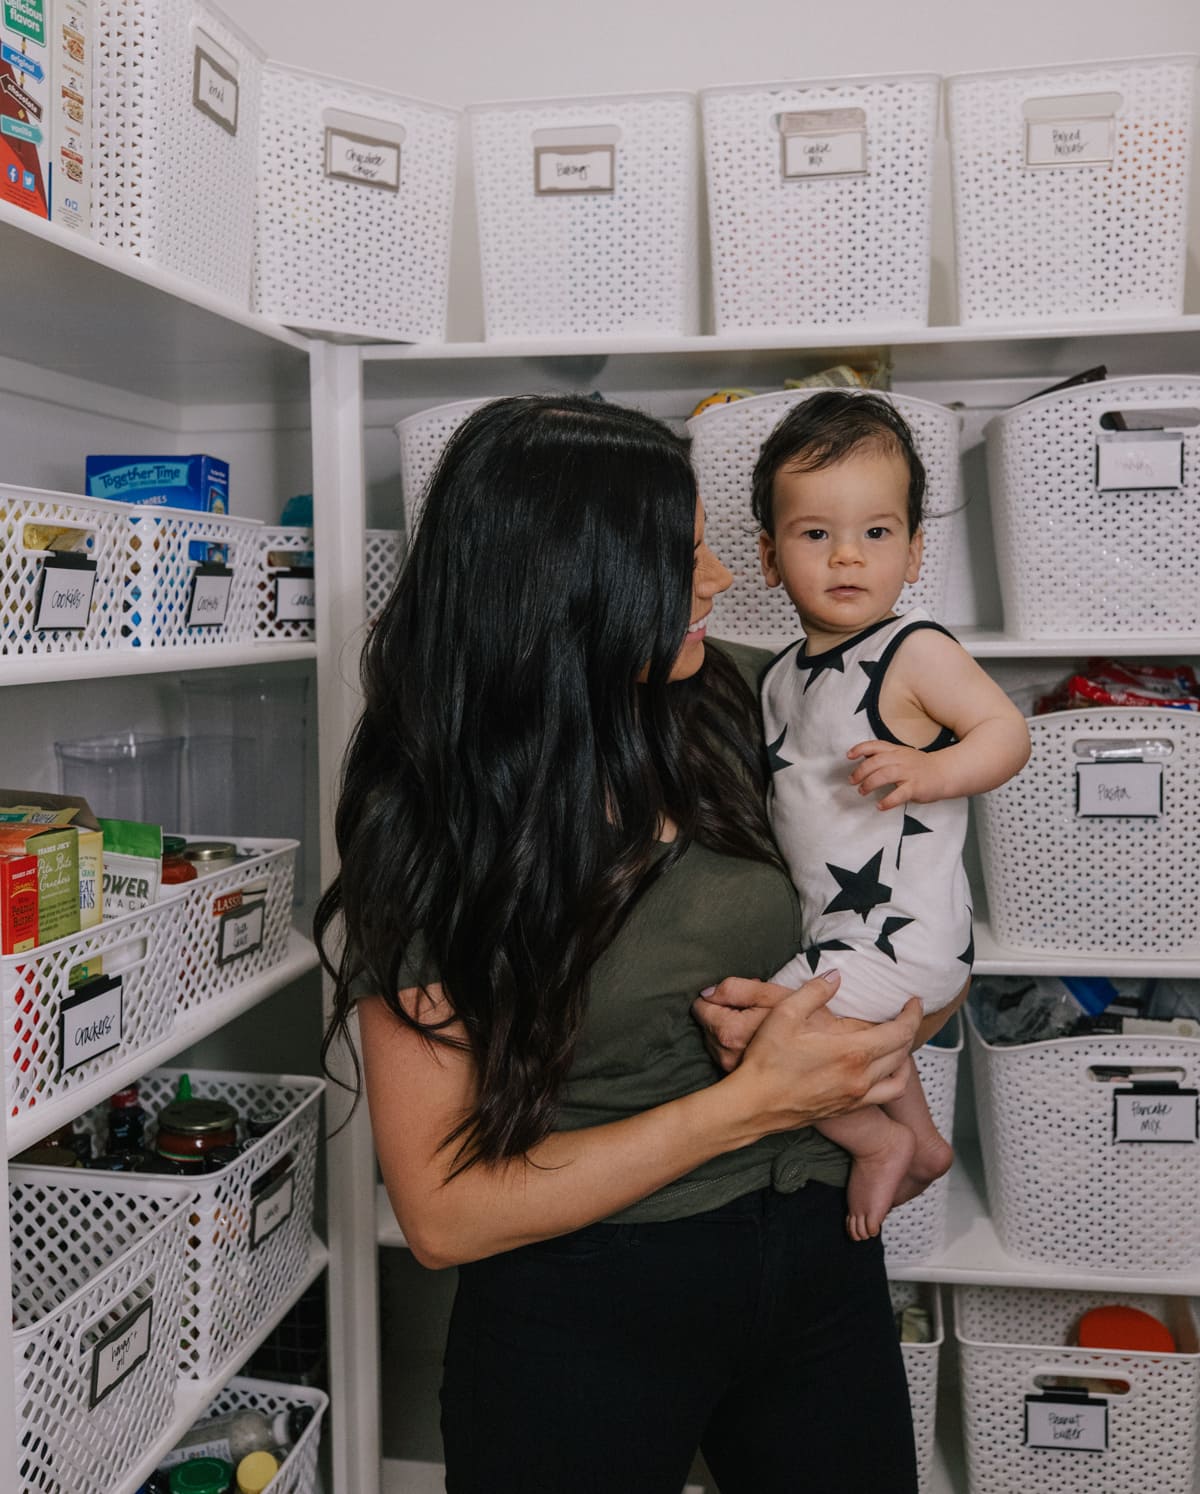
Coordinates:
column 1094, row 1383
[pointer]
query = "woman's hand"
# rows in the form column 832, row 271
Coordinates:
column 730, row 1014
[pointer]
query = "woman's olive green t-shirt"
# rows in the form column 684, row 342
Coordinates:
column 707, row 917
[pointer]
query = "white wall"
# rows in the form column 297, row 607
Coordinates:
column 468, row 50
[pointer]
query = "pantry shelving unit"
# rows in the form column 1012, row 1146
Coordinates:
column 110, row 343
column 99, row 350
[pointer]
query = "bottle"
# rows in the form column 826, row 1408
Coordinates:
column 255, row 1472
column 176, row 867
column 201, row 1476
column 126, row 1121
column 235, row 1435
column 189, row 1129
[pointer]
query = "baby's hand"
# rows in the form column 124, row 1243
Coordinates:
column 915, row 775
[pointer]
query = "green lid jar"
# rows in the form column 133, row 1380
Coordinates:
column 202, row 1476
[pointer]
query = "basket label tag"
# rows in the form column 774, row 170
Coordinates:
column 240, row 932
column 65, row 596
column 560, row 169
column 1088, row 141
column 209, row 605
column 272, row 1208
column 1066, row 1423
column 362, row 158
column 215, row 91
column 1156, row 1113
column 1129, row 790
column 824, row 142
column 90, row 1021
column 120, row 1351
column 295, row 595
column 1134, row 461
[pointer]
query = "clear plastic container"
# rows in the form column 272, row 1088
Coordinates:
column 127, row 776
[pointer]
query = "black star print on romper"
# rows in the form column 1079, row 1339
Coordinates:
column 813, row 953
column 861, row 890
column 968, row 954
column 890, row 926
column 911, row 826
column 775, row 757
column 817, row 670
column 868, row 667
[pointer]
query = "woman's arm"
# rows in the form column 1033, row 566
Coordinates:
column 795, row 1071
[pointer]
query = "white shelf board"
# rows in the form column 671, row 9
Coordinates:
column 993, row 958
column 994, row 643
column 1045, row 350
column 193, row 1397
column 973, row 1254
column 81, row 309
column 45, row 669
column 26, row 1129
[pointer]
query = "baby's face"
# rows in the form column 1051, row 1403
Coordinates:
column 841, row 548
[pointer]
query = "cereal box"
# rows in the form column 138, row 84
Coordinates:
column 18, row 903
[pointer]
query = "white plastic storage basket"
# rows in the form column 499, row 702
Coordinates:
column 1064, row 878
column 164, row 548
column 1062, row 1188
column 1098, row 527
column 385, row 548
column 1012, row 1338
column 249, row 1232
column 175, row 139
column 725, row 445
column 921, row 1370
column 1070, row 189
column 355, row 193
column 234, row 924
column 298, row 1471
column 588, row 215
column 97, row 1294
column 917, row 1230
column 422, row 440
column 283, row 609
column 807, row 181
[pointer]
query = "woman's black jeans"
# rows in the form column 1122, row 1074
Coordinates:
column 598, row 1362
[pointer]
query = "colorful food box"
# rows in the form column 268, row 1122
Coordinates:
column 18, row 903
column 56, row 848
column 33, row 807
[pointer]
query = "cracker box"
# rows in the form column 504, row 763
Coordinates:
column 18, row 903
column 57, row 850
column 33, row 807
column 197, row 482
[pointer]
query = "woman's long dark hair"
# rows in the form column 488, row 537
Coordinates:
column 503, row 789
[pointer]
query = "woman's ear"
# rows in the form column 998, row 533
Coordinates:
column 766, row 558
column 916, row 548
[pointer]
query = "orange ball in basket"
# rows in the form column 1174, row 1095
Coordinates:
column 1124, row 1328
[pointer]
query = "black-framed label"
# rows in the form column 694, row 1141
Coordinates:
column 1156, row 1112
column 350, row 157
column 90, row 1021
column 120, row 1351
column 824, row 142
column 211, row 588
column 240, row 932
column 272, row 1208
column 65, row 594
column 1066, row 1422
column 1126, row 789
column 295, row 594
column 559, row 170
column 215, row 91
column 1139, row 461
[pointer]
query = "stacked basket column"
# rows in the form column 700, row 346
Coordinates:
column 916, row 1231
column 921, row 1370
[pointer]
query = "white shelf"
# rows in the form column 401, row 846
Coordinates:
column 46, row 669
column 993, row 958
column 99, row 314
column 192, row 1397
column 25, row 1130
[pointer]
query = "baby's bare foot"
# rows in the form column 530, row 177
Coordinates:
column 931, row 1159
column 874, row 1178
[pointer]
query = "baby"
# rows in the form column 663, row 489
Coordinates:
column 878, row 727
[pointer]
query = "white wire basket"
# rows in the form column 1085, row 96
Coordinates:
column 163, row 550
column 422, row 440
column 298, row 1471
column 1098, row 530
column 97, row 1294
column 1070, row 189
column 725, row 446
column 916, row 1231
column 806, row 180
column 921, row 1370
column 1068, row 882
column 616, row 252
column 1063, row 1190
column 284, row 612
column 175, row 139
column 1145, row 1406
column 355, row 194
column 249, row 1232
column 385, row 551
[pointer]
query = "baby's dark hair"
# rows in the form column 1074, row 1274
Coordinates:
column 821, row 431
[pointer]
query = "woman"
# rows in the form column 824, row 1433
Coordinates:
column 552, row 836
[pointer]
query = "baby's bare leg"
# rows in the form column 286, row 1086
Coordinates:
column 932, row 1154
column 882, row 1149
